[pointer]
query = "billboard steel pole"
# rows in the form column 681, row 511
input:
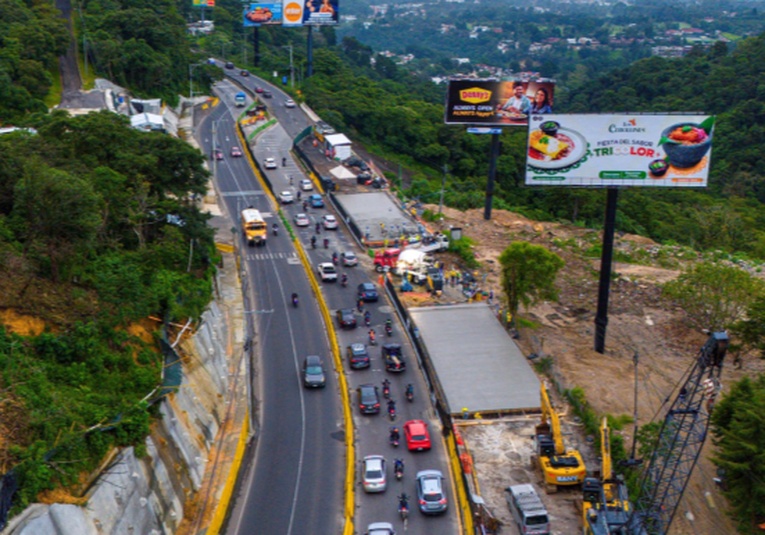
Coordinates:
column 256, row 46
column 492, row 175
column 601, row 317
column 309, row 47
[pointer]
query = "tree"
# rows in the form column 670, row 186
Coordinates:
column 528, row 274
column 751, row 330
column 713, row 295
column 738, row 424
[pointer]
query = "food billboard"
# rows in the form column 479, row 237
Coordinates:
column 619, row 150
column 497, row 103
column 262, row 13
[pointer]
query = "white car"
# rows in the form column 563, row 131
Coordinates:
column 286, row 197
column 349, row 259
column 327, row 272
column 306, row 184
column 301, row 220
column 330, row 222
column 373, row 473
column 269, row 163
column 380, row 528
column 289, row 103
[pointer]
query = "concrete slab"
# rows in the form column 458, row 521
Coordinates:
column 478, row 364
column 377, row 214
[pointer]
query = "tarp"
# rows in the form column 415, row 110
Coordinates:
column 147, row 121
column 337, row 139
column 341, row 173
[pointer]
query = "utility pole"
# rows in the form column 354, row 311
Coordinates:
column 292, row 70
column 443, row 185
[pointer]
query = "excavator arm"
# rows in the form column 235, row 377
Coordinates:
column 549, row 414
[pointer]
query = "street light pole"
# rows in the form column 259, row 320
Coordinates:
column 292, row 70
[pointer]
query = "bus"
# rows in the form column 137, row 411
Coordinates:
column 254, row 227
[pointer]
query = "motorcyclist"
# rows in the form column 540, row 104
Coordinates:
column 326, row 242
column 372, row 336
column 275, row 226
column 409, row 392
column 391, row 406
column 318, row 228
column 334, row 258
column 398, row 465
column 284, row 162
column 344, row 280
column 403, row 501
column 313, row 242
column 305, row 206
column 389, row 323
column 294, row 299
column 394, row 435
column 367, row 317
column 386, row 388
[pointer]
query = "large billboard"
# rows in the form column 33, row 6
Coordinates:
column 619, row 150
column 491, row 102
column 320, row 12
column 262, row 13
column 293, row 13
column 203, row 3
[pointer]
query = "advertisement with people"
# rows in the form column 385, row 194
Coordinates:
column 320, row 12
column 491, row 102
column 619, row 150
column 259, row 14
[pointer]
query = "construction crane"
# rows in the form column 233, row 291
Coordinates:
column 559, row 467
column 606, row 508
column 679, row 443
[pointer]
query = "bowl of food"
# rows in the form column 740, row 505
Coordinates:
column 658, row 168
column 685, row 144
column 549, row 127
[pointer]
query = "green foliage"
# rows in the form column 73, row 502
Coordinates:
column 739, row 429
column 750, row 330
column 528, row 274
column 713, row 295
column 464, row 249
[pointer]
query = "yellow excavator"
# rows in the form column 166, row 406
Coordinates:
column 606, row 508
column 560, row 467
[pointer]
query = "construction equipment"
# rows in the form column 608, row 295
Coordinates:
column 559, row 467
column 680, row 441
column 606, row 509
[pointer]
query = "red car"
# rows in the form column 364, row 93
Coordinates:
column 416, row 435
column 259, row 89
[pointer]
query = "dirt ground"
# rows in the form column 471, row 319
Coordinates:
column 640, row 322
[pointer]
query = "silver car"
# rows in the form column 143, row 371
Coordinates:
column 431, row 497
column 373, row 475
column 380, row 528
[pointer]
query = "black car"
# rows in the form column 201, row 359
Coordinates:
column 313, row 372
column 229, row 65
column 368, row 292
column 267, row 94
column 369, row 399
column 357, row 162
column 393, row 357
column 244, row 72
column 358, row 357
column 346, row 319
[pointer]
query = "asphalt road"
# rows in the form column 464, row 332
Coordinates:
column 281, row 494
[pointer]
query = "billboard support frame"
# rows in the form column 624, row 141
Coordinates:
column 606, row 261
column 494, row 154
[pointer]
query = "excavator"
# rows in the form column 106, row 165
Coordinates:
column 560, row 467
column 606, row 509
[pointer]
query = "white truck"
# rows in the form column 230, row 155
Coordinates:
column 435, row 243
column 413, row 264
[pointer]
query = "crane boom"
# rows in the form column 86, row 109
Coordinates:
column 680, row 440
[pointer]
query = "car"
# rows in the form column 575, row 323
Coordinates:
column 358, row 356
column 267, row 94
column 368, row 292
column 236, row 152
column 269, row 163
column 286, row 197
column 218, row 154
column 306, row 184
column 301, row 220
column 431, row 497
column 369, row 399
column 327, row 272
column 416, row 435
column 244, row 72
column 313, row 372
column 229, row 65
column 289, row 103
column 373, row 473
column 329, row 221
column 380, row 528
column 316, row 201
column 353, row 161
column 259, row 89
column 346, row 318
column 349, row 259
column 393, row 357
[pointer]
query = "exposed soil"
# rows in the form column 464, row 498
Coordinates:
column 641, row 322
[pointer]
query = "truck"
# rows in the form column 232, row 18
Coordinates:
column 386, row 259
column 393, row 357
column 435, row 243
column 240, row 99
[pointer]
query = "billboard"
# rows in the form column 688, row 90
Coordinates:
column 203, row 3
column 495, row 103
column 292, row 14
column 263, row 13
column 619, row 150
column 320, row 12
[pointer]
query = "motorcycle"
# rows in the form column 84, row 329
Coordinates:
column 326, row 243
column 391, row 410
column 367, row 318
column 399, row 469
column 410, row 393
column 388, row 329
column 372, row 338
column 403, row 507
column 344, row 280
column 335, row 260
column 276, row 231
column 294, row 300
column 313, row 242
column 386, row 389
column 394, row 437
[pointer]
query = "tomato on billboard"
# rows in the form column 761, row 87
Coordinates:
column 491, row 102
column 262, row 13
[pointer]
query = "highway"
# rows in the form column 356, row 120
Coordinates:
column 295, row 483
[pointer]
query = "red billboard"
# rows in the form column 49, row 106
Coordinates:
column 491, row 102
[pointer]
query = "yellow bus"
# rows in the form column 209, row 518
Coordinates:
column 254, row 228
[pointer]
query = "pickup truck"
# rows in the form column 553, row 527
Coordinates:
column 393, row 357
column 432, row 244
